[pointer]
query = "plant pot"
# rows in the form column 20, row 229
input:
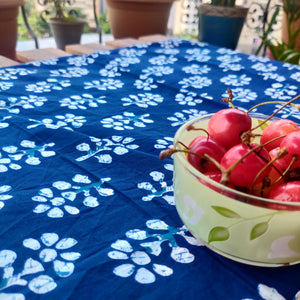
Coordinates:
column 294, row 26
column 9, row 10
column 66, row 32
column 221, row 26
column 134, row 18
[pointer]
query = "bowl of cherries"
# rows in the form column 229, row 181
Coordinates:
column 237, row 185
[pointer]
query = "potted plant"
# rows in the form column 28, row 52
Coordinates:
column 221, row 22
column 291, row 23
column 288, row 49
column 65, row 26
column 134, row 18
column 9, row 10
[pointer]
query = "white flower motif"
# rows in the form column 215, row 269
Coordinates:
column 139, row 263
column 197, row 82
column 6, row 85
column 146, row 85
column 54, row 205
column 4, row 189
column 166, row 142
column 52, row 250
column 196, row 69
column 236, row 80
column 47, row 86
column 281, row 91
column 104, row 84
column 75, row 121
column 82, row 101
column 123, row 122
column 143, row 100
column 188, row 98
column 198, row 54
column 162, row 60
column 158, row 71
column 71, row 72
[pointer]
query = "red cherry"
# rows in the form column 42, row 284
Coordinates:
column 204, row 145
column 292, row 143
column 226, row 126
column 214, row 175
column 287, row 192
column 277, row 163
column 244, row 174
column 277, row 128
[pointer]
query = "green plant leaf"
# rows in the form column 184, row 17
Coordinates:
column 258, row 230
column 218, row 234
column 226, row 212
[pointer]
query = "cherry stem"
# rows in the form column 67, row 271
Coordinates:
column 230, row 99
column 276, row 111
column 167, row 153
column 281, row 153
column 226, row 174
column 294, row 158
column 273, row 102
column 192, row 127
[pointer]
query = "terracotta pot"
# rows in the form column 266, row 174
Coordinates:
column 66, row 32
column 9, row 10
column 134, row 18
column 294, row 26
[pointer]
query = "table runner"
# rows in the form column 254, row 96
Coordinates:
column 86, row 207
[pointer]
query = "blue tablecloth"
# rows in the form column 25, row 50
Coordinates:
column 86, row 207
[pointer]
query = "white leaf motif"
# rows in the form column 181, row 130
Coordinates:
column 63, row 269
column 122, row 245
column 124, row 270
column 42, row 284
column 144, row 276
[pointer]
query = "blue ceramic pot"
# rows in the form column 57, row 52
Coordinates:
column 221, row 26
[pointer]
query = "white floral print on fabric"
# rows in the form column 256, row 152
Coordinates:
column 118, row 145
column 230, row 63
column 51, row 250
column 185, row 115
column 234, row 80
column 143, row 100
column 126, row 121
column 15, row 73
column 3, row 123
column 28, row 151
column 61, row 122
column 288, row 112
column 72, row 72
column 140, row 263
column 198, row 55
column 158, row 188
column 280, row 91
column 4, row 195
column 104, row 84
column 62, row 199
column 186, row 97
column 47, row 86
column 242, row 95
column 83, row 101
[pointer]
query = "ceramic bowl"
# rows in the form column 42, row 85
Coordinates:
column 232, row 223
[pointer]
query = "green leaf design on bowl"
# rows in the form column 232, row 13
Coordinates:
column 226, row 212
column 218, row 234
column 258, row 230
